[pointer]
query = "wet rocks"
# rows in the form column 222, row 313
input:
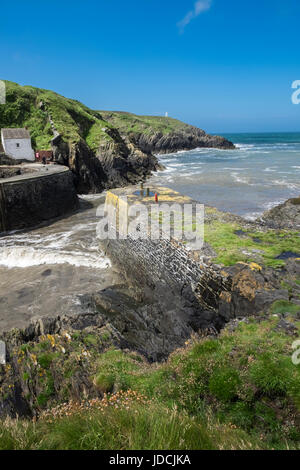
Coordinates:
column 285, row 216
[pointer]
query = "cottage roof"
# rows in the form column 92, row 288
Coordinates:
column 15, row 134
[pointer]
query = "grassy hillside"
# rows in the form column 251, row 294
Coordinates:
column 240, row 391
column 131, row 123
column 31, row 107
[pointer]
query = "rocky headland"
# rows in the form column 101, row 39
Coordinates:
column 102, row 149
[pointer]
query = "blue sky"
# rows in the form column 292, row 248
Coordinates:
column 223, row 65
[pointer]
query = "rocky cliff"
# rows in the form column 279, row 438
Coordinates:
column 102, row 149
column 163, row 134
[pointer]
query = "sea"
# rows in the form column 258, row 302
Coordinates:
column 262, row 172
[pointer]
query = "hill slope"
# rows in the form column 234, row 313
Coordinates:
column 103, row 149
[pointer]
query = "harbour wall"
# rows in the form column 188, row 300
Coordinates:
column 28, row 200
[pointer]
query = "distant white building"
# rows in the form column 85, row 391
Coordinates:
column 17, row 144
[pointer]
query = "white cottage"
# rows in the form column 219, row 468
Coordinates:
column 17, row 144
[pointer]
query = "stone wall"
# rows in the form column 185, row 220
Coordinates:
column 166, row 269
column 167, row 263
column 28, row 201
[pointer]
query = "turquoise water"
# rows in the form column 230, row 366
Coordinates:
column 262, row 172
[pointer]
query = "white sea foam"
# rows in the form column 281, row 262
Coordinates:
column 269, row 205
column 261, row 171
column 241, row 179
column 245, row 146
column 177, row 165
column 92, row 197
column 286, row 183
column 235, row 169
column 270, row 169
column 23, row 257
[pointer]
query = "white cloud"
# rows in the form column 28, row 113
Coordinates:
column 199, row 7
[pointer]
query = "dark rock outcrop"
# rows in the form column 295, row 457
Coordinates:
column 252, row 292
column 89, row 175
column 126, row 158
column 117, row 163
column 123, row 161
column 187, row 139
column 284, row 216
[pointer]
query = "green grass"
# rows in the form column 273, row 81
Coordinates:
column 283, row 306
column 236, row 377
column 129, row 123
column 73, row 120
column 231, row 248
column 154, row 427
column 240, row 390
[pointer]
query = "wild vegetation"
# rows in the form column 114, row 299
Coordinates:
column 128, row 123
column 31, row 107
column 232, row 243
column 237, row 391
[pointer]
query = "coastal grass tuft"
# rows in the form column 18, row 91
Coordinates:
column 151, row 427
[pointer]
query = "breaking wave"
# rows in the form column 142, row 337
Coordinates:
column 24, row 257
